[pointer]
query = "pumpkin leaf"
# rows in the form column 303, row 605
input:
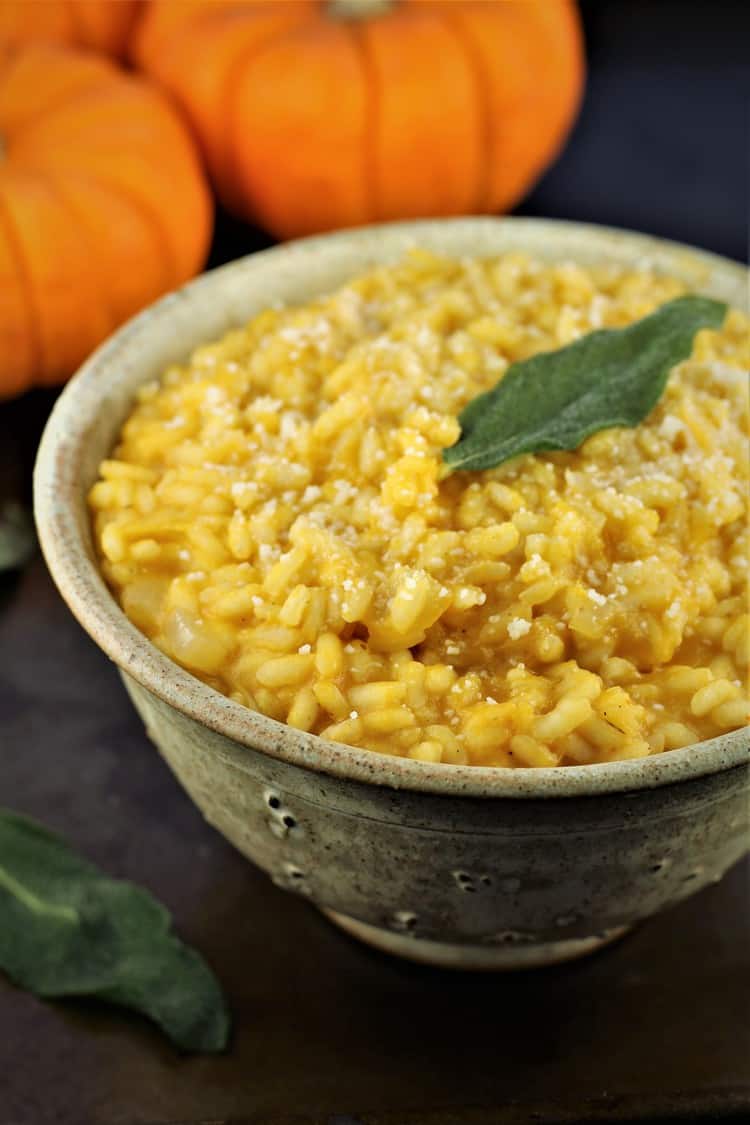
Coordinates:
column 555, row 400
column 66, row 929
column 17, row 540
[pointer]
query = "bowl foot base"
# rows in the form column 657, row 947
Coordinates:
column 487, row 957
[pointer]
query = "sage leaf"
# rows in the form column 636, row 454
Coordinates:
column 66, row 929
column 17, row 539
column 555, row 400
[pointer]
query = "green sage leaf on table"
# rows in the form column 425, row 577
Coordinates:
column 555, row 400
column 17, row 539
column 66, row 929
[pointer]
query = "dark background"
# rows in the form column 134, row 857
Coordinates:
column 654, row 1029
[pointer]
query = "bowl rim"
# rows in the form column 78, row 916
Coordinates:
column 79, row 581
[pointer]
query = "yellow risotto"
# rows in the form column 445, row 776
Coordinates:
column 277, row 519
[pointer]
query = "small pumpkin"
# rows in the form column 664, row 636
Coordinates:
column 103, row 206
column 322, row 113
column 102, row 25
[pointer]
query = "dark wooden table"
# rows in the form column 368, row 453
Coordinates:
column 327, row 1031
column 654, row 1029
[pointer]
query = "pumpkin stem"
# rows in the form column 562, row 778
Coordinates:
column 359, row 9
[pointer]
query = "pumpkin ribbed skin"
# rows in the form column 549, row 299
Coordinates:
column 102, row 25
column 103, row 206
column 311, row 120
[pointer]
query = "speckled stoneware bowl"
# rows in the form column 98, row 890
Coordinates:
column 452, row 865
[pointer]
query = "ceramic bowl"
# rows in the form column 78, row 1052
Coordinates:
column 452, row 865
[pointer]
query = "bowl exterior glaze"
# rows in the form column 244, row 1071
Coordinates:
column 461, row 866
column 460, row 881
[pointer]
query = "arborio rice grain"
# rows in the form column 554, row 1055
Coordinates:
column 276, row 519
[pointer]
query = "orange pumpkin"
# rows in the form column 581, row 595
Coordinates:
column 103, row 206
column 322, row 113
column 104, row 25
